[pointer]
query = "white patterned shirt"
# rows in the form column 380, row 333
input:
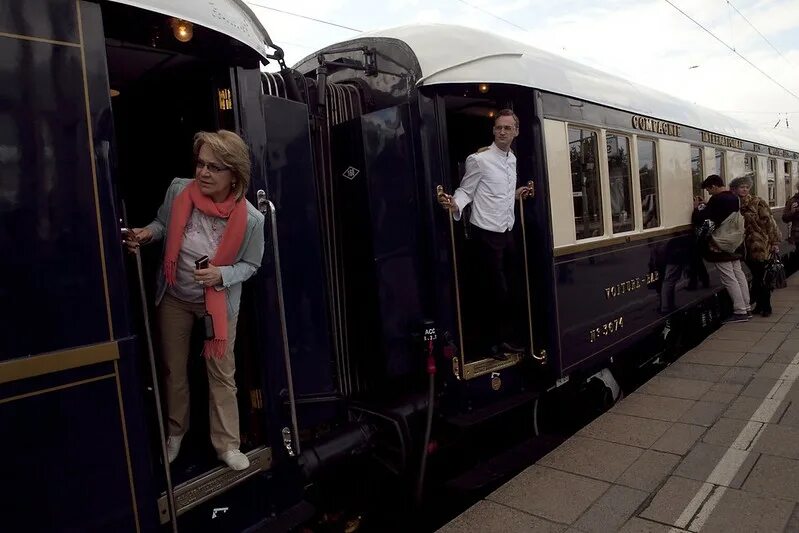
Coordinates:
column 201, row 237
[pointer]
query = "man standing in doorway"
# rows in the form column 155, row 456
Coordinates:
column 489, row 184
column 721, row 205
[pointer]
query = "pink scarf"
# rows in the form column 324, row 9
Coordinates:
column 233, row 236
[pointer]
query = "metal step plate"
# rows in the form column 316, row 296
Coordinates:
column 204, row 487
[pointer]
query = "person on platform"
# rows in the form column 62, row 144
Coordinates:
column 721, row 205
column 490, row 186
column 762, row 239
column 205, row 216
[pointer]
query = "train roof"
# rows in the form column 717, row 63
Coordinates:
column 230, row 17
column 456, row 54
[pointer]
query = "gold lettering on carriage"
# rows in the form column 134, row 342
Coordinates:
column 656, row 126
column 631, row 285
column 608, row 328
column 721, row 140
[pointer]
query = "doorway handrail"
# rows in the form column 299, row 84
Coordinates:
column 265, row 205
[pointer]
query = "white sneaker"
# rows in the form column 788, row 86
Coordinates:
column 235, row 460
column 173, row 447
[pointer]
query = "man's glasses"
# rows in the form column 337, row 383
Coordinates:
column 213, row 168
column 504, row 128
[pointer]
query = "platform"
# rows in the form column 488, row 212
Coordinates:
column 709, row 444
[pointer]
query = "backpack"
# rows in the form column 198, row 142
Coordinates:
column 729, row 235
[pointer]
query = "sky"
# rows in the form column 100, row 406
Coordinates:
column 645, row 41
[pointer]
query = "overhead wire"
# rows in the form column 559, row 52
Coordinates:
column 732, row 49
column 490, row 14
column 758, row 32
column 321, row 21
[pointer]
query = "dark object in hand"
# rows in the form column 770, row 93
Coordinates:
column 208, row 321
column 774, row 274
column 202, row 263
column 704, row 231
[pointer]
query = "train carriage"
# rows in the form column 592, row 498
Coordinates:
column 100, row 102
column 608, row 266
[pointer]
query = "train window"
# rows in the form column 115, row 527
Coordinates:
column 786, row 176
column 697, row 170
column 750, row 170
column 618, row 147
column 771, row 178
column 648, row 177
column 720, row 163
column 585, row 183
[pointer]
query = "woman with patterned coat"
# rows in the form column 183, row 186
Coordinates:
column 761, row 240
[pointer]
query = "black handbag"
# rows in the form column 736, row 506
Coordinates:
column 774, row 274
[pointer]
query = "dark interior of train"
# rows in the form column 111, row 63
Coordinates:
column 470, row 118
column 163, row 92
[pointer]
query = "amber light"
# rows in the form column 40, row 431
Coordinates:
column 225, row 100
column 483, row 88
column 183, row 30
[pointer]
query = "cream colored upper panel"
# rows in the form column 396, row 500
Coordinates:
column 561, row 202
column 736, row 165
column 709, row 166
column 762, row 184
column 676, row 187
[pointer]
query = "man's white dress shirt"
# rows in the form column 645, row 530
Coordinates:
column 490, row 185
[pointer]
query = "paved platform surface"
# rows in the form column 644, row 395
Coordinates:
column 710, row 444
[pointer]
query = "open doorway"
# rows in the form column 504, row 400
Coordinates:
column 163, row 92
column 470, row 119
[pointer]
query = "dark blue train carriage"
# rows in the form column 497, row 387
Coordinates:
column 609, row 262
column 100, row 101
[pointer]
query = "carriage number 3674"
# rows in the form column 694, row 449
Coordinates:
column 606, row 329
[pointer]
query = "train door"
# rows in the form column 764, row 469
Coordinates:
column 375, row 198
column 466, row 116
column 160, row 96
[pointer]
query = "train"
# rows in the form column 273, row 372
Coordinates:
column 359, row 373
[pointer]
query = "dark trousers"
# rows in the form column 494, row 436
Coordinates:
column 761, row 295
column 697, row 271
column 497, row 285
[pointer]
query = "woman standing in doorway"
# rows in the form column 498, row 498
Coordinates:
column 762, row 239
column 209, row 217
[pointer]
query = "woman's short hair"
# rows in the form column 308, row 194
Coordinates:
column 232, row 151
column 738, row 182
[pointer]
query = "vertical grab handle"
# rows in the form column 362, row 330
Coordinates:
column 148, row 336
column 265, row 206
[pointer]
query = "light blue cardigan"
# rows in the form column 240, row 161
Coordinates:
column 247, row 260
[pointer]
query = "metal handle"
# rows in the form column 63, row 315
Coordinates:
column 156, row 391
column 265, row 206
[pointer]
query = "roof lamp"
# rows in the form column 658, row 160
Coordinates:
column 183, row 30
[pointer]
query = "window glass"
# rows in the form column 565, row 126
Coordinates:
column 648, row 176
column 771, row 179
column 697, row 172
column 720, row 164
column 585, row 183
column 621, row 199
column 787, row 179
column 750, row 164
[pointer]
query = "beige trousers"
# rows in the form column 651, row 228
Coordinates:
column 175, row 321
